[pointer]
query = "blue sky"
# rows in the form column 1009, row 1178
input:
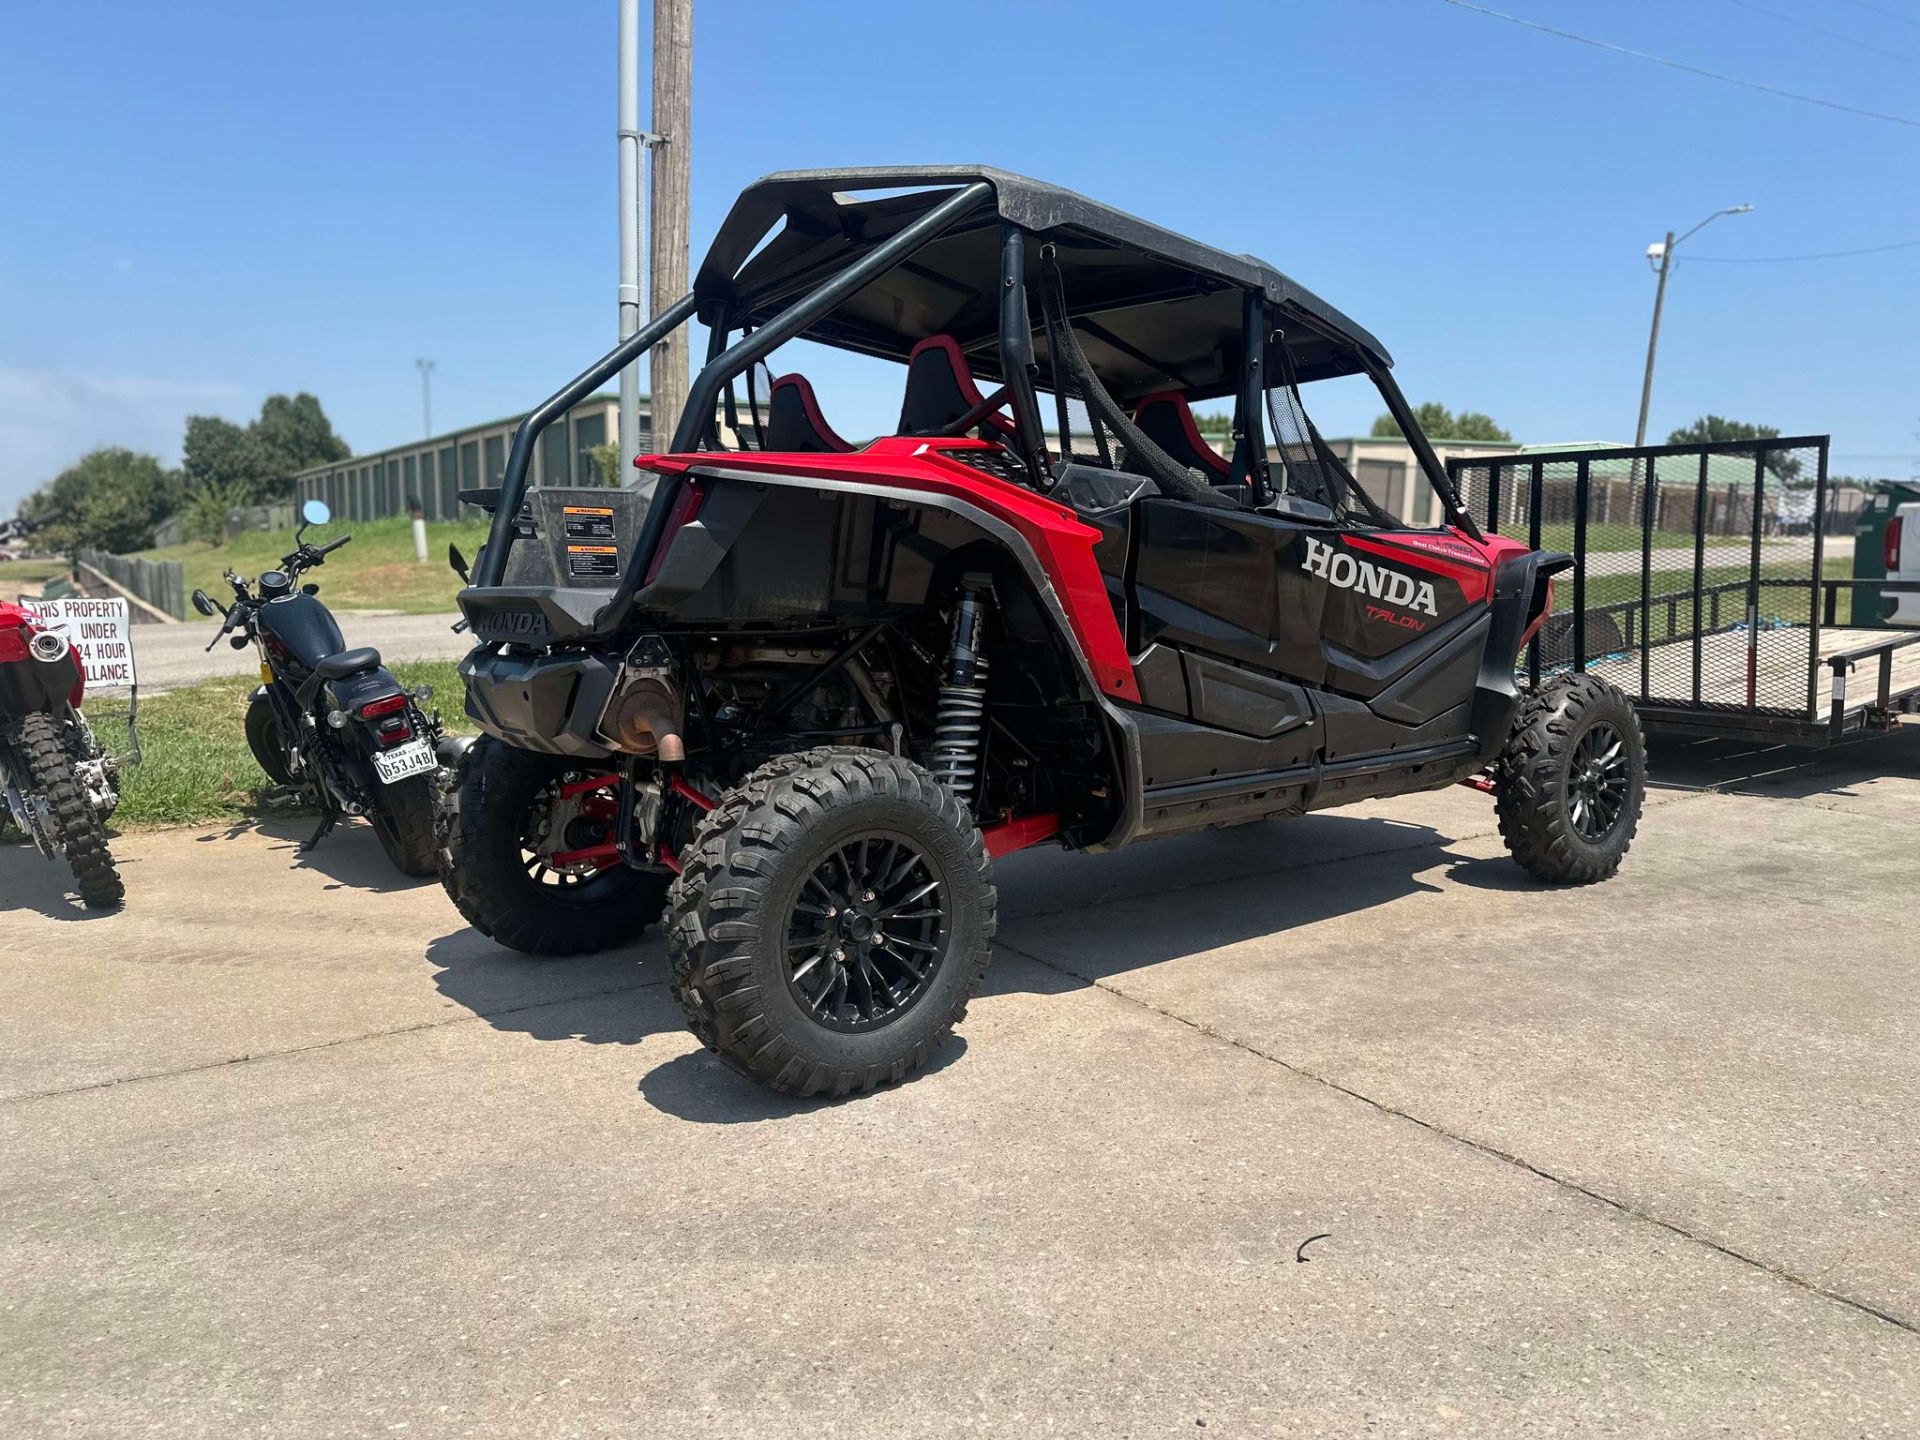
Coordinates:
column 208, row 202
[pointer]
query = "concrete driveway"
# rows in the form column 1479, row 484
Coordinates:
column 288, row 1150
column 170, row 656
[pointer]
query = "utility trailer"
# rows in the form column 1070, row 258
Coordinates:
column 1704, row 585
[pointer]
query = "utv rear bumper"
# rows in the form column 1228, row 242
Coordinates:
column 550, row 703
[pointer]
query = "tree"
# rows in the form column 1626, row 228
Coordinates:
column 253, row 464
column 220, row 455
column 1717, row 429
column 296, row 435
column 110, row 500
column 606, row 462
column 1440, row 423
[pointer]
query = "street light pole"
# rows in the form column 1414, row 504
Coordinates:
column 1666, row 249
column 426, row 398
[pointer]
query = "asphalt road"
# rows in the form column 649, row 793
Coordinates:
column 169, row 656
column 289, row 1150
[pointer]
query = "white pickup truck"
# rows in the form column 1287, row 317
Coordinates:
column 1903, row 561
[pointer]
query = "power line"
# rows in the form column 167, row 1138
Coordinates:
column 1817, row 255
column 1882, row 10
column 1822, row 30
column 1689, row 69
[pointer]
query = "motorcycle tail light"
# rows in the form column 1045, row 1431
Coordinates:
column 13, row 643
column 385, row 705
column 392, row 730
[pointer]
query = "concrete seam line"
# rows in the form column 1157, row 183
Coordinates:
column 323, row 1044
column 1480, row 1146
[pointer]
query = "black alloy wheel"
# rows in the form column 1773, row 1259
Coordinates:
column 1597, row 782
column 867, row 932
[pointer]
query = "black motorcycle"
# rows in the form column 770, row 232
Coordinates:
column 328, row 722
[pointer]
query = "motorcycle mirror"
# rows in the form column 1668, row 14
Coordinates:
column 459, row 564
column 203, row 602
column 315, row 512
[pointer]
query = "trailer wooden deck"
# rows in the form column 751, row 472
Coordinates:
column 1782, row 668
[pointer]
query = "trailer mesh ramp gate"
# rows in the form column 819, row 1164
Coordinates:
column 1705, row 584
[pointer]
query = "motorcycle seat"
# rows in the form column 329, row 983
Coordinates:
column 347, row 662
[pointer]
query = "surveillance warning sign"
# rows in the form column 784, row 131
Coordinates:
column 101, row 631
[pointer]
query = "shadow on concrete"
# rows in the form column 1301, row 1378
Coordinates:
column 696, row 1086
column 1368, row 862
column 30, row 881
column 1780, row 772
column 350, row 857
column 618, row 997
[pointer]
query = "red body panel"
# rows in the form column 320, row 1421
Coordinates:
column 1469, row 563
column 12, row 617
column 1061, row 541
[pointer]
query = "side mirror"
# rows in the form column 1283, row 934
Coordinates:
column 315, row 512
column 459, row 564
column 203, row 602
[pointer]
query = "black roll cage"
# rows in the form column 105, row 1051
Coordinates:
column 1016, row 345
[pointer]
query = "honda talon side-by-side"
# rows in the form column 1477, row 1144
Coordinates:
column 801, row 697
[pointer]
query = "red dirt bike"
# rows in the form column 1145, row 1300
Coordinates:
column 60, row 787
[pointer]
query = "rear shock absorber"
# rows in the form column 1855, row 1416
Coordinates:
column 959, row 724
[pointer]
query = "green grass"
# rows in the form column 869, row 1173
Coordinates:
column 1778, row 604
column 18, row 575
column 196, row 764
column 376, row 572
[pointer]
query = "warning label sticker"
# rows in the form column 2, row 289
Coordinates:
column 588, row 522
column 593, row 559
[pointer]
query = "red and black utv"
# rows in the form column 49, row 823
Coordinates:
column 804, row 695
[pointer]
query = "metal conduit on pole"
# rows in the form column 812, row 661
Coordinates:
column 633, row 143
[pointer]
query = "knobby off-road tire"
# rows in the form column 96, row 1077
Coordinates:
column 1570, row 782
column 264, row 740
column 402, row 817
column 481, row 818
column 81, row 832
column 753, row 879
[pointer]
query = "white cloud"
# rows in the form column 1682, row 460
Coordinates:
column 49, row 420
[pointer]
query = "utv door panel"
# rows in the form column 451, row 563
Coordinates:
column 1439, row 679
column 1244, row 701
column 1229, row 583
column 1384, row 596
column 1175, row 752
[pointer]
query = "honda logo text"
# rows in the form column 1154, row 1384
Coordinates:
column 1395, row 587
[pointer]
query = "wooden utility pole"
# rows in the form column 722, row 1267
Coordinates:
column 672, row 169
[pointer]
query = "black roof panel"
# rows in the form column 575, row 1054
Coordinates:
column 1151, row 273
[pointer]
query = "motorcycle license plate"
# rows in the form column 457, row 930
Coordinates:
column 413, row 758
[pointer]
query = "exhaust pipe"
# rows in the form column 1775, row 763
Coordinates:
column 48, row 646
column 644, row 719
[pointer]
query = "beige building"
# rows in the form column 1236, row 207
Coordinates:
column 435, row 471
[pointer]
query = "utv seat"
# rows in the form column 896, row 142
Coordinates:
column 794, row 421
column 940, row 390
column 1165, row 419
